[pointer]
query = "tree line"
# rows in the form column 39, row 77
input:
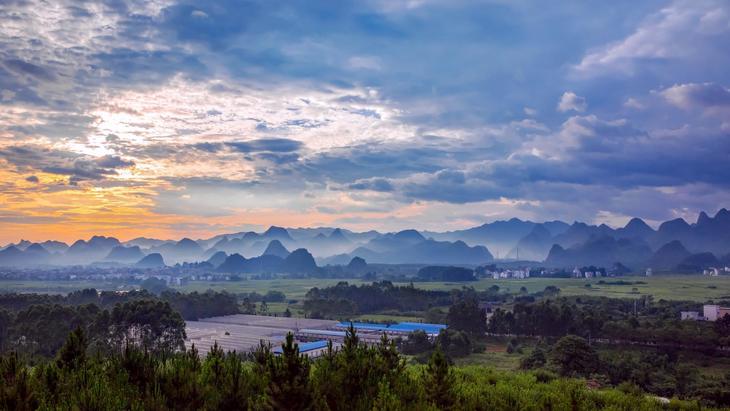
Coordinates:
column 622, row 320
column 36, row 325
column 191, row 306
column 344, row 300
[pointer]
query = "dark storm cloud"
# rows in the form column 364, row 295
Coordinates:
column 277, row 145
column 26, row 68
column 76, row 166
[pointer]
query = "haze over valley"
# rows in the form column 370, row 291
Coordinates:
column 675, row 245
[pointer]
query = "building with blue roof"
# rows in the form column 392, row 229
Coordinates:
column 400, row 328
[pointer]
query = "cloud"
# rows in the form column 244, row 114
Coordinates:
column 364, row 63
column 388, row 114
column 32, row 179
column 25, row 68
column 698, row 96
column 275, row 145
column 77, row 167
column 570, row 101
column 682, row 30
column 374, row 184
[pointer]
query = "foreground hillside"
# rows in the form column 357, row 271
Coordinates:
column 356, row 377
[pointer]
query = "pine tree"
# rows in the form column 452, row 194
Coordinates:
column 439, row 381
column 73, row 353
column 289, row 378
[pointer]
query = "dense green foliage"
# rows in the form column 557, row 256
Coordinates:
column 344, row 299
column 354, row 377
column 660, row 371
column 190, row 305
column 36, row 325
column 40, row 330
column 609, row 319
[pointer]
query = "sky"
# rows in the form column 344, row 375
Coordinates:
column 169, row 119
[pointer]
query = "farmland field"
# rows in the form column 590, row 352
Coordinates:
column 671, row 287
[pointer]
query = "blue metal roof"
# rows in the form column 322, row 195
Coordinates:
column 304, row 347
column 400, row 327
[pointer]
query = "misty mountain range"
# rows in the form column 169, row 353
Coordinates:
column 676, row 244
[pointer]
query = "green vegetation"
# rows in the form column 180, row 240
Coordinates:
column 35, row 325
column 668, row 287
column 356, row 377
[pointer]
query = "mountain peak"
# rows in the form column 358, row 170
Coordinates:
column 153, row 260
column 636, row 227
column 277, row 232
column 276, row 248
column 217, row 259
column 409, row 235
column 703, row 218
column 357, row 264
column 299, row 261
column 674, row 225
column 36, row 248
column 722, row 214
column 636, row 222
column 337, row 234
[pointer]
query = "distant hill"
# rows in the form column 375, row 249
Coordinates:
column 32, row 256
column 277, row 249
column 668, row 256
column 698, row 262
column 54, row 247
column 409, row 249
column 357, row 265
column 499, row 235
column 635, row 228
column 602, row 251
column 153, row 260
column 332, row 245
column 299, row 261
column 185, row 250
column 86, row 252
column 124, row 254
column 534, row 246
column 217, row 259
column 234, row 263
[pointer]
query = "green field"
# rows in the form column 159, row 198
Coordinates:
column 671, row 287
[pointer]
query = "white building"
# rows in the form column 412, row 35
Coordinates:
column 648, row 272
column 691, row 315
column 713, row 312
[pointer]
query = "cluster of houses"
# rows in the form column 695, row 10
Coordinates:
column 589, row 272
column 519, row 274
column 715, row 272
column 710, row 312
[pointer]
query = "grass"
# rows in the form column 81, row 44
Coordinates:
column 495, row 356
column 294, row 289
column 670, row 287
